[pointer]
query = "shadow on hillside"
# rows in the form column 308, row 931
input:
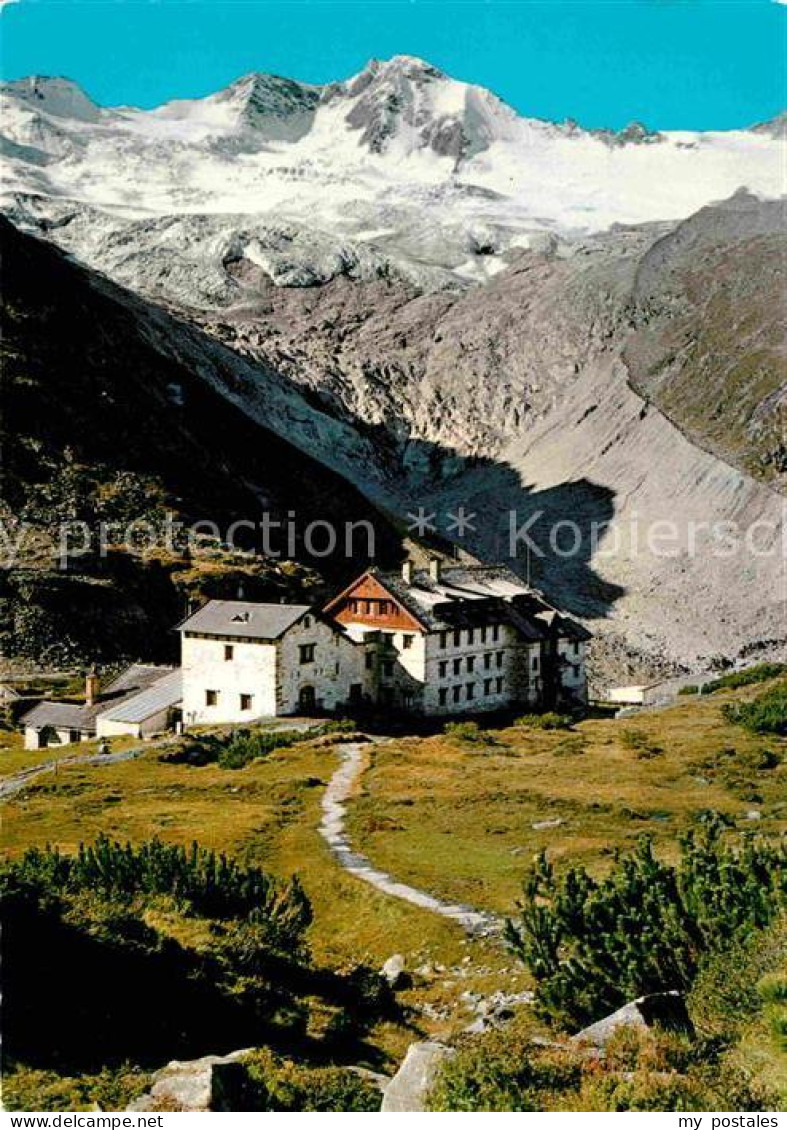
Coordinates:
column 556, row 526
column 78, row 999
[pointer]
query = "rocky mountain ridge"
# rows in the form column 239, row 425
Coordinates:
column 376, row 283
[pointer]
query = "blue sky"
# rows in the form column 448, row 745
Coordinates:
column 694, row 64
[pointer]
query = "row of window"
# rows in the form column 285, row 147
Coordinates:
column 470, row 635
column 489, row 659
column 371, row 607
column 212, row 699
column 467, row 693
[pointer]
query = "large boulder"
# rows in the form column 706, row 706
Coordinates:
column 667, row 1010
column 187, row 1085
column 395, row 973
column 411, row 1084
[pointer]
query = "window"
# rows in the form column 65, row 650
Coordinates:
column 470, row 664
column 407, row 642
column 487, row 660
column 211, row 698
column 369, row 660
column 443, row 640
column 470, row 636
column 74, row 735
column 482, row 635
column 307, row 621
column 496, row 632
column 499, row 658
column 457, row 666
column 576, row 647
column 385, row 607
column 306, row 652
column 443, row 695
column 442, row 668
column 229, row 652
column 457, row 638
column 499, row 685
column 352, row 605
column 245, row 701
column 535, row 662
column 487, row 686
column 470, row 691
column 388, row 667
column 456, row 693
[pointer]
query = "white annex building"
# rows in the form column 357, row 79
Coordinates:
column 447, row 640
column 143, row 700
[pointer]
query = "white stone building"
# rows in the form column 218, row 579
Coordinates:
column 444, row 641
column 242, row 660
column 462, row 639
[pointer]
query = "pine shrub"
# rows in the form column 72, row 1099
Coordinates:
column 594, row 944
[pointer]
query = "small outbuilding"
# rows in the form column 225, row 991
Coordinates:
column 144, row 699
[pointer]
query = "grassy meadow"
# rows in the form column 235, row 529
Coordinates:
column 462, row 818
column 458, row 817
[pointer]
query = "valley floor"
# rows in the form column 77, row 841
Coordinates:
column 457, row 817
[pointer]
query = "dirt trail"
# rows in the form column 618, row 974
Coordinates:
column 332, row 829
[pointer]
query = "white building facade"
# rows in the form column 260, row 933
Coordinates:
column 445, row 641
column 241, row 661
column 463, row 639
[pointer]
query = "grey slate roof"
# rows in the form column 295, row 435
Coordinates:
column 243, row 618
column 130, row 685
column 166, row 691
column 63, row 716
column 474, row 595
column 136, row 678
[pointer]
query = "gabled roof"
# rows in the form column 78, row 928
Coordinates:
column 166, row 691
column 242, row 618
column 134, row 683
column 394, row 587
column 474, row 595
column 135, row 678
column 62, row 716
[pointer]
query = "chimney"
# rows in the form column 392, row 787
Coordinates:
column 407, row 571
column 435, row 568
column 91, row 687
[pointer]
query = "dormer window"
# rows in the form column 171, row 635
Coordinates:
column 241, row 618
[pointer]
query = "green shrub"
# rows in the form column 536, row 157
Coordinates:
column 594, row 944
column 469, row 732
column 689, row 688
column 766, row 714
column 759, row 673
column 197, row 879
column 547, row 721
column 239, row 748
column 263, row 1081
column 26, row 1089
column 503, row 1071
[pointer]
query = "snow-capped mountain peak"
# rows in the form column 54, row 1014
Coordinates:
column 58, row 97
column 274, row 108
column 406, row 104
column 400, row 169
